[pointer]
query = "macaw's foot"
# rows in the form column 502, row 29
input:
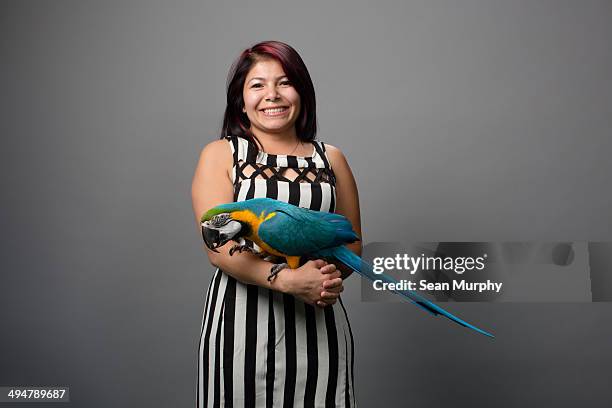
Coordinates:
column 276, row 269
column 240, row 248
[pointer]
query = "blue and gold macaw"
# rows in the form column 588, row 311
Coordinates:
column 291, row 232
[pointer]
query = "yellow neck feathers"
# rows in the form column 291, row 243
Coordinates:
column 254, row 220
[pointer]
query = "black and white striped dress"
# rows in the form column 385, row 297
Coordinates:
column 263, row 348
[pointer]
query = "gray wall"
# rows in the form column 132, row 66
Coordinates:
column 476, row 120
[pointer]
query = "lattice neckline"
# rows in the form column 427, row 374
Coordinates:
column 280, row 167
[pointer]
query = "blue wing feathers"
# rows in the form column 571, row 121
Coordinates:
column 298, row 231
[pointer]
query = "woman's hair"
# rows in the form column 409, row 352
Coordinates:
column 236, row 122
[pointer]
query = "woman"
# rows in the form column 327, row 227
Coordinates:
column 284, row 342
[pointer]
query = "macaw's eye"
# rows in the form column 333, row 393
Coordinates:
column 220, row 220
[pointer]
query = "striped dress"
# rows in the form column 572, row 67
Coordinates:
column 263, row 348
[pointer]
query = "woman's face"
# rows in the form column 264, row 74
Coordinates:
column 270, row 101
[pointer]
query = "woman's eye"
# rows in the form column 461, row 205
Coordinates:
column 285, row 83
column 256, row 86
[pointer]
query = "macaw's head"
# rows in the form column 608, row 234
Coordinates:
column 218, row 226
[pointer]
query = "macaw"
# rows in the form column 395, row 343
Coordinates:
column 292, row 232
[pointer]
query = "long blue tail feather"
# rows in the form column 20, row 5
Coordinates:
column 354, row 262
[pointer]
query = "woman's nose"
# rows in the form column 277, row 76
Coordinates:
column 272, row 94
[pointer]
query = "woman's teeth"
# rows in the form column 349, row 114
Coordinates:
column 274, row 112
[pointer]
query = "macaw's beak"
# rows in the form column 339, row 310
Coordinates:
column 211, row 237
column 215, row 237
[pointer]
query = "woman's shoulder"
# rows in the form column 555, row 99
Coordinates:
column 335, row 156
column 217, row 148
column 217, row 153
column 330, row 148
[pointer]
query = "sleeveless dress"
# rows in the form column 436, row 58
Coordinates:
column 260, row 347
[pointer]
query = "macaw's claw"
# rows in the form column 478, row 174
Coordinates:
column 276, row 269
column 240, row 248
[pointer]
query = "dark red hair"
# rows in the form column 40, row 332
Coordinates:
column 236, row 122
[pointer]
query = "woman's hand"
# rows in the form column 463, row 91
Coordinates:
column 315, row 283
column 332, row 288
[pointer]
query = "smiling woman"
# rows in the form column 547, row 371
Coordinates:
column 284, row 341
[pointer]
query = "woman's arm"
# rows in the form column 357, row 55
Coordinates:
column 211, row 186
column 347, row 197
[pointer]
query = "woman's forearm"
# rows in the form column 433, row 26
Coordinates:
column 248, row 268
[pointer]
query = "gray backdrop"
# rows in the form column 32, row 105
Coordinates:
column 476, row 120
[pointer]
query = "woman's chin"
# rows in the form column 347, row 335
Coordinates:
column 275, row 127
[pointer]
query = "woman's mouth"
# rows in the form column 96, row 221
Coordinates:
column 273, row 112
